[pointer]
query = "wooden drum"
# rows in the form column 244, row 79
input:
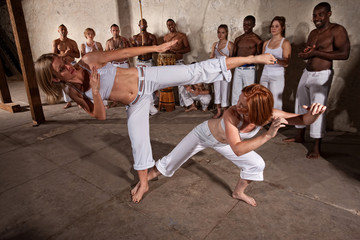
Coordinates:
column 167, row 99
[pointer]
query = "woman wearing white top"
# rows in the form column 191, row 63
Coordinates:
column 221, row 48
column 90, row 45
column 273, row 77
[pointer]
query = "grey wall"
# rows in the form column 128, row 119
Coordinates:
column 199, row 20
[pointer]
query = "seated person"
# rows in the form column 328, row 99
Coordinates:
column 197, row 92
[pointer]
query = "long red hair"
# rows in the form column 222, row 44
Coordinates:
column 260, row 103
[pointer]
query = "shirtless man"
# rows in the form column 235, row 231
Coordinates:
column 246, row 44
column 116, row 42
column 328, row 42
column 149, row 40
column 68, row 49
column 179, row 49
column 145, row 60
column 182, row 46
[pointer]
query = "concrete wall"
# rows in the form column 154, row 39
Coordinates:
column 199, row 20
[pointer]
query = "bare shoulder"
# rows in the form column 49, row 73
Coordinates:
column 337, row 28
column 257, row 37
column 286, row 42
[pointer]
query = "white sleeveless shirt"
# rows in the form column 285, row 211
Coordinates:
column 275, row 69
column 225, row 50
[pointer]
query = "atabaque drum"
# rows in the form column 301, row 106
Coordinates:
column 167, row 99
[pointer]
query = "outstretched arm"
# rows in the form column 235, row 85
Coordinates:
column 233, row 62
column 314, row 111
column 100, row 58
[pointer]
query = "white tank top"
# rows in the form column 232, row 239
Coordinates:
column 88, row 49
column 225, row 50
column 243, row 136
column 107, row 79
column 275, row 69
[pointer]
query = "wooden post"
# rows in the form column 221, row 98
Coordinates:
column 5, row 97
column 4, row 88
column 26, row 61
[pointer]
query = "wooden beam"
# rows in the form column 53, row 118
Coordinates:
column 4, row 87
column 26, row 61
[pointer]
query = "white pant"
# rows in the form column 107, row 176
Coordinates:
column 276, row 84
column 181, row 88
column 190, row 98
column 243, row 76
column 251, row 164
column 155, row 78
column 140, row 63
column 124, row 64
column 314, row 87
column 221, row 93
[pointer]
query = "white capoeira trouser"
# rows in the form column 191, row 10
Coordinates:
column 147, row 63
column 124, row 64
column 181, row 89
column 275, row 83
column 141, row 63
column 154, row 78
column 314, row 87
column 243, row 76
column 221, row 93
column 251, row 164
column 204, row 99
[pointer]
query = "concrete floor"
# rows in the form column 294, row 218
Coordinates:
column 71, row 178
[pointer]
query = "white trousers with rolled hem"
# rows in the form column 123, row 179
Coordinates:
column 162, row 77
column 251, row 164
column 243, row 76
column 314, row 87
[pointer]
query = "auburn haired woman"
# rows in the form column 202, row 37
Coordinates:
column 233, row 136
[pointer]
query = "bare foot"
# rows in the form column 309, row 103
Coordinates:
column 245, row 198
column 68, row 105
column 191, row 108
column 313, row 155
column 134, row 190
column 294, row 139
column 136, row 198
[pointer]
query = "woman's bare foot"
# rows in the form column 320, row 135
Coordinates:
column 245, row 198
column 137, row 196
column 68, row 105
column 134, row 190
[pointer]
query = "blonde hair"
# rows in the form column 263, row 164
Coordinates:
column 260, row 102
column 44, row 75
column 89, row 30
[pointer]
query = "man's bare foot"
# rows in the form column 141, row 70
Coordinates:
column 191, row 108
column 136, row 198
column 294, row 139
column 245, row 198
column 134, row 190
column 68, row 105
column 313, row 155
